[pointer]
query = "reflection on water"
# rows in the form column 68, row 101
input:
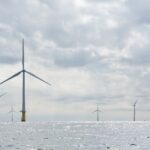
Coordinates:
column 75, row 136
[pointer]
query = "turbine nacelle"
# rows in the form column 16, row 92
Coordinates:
column 135, row 103
column 97, row 111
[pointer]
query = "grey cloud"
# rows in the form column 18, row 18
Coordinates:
column 140, row 10
column 104, row 1
column 138, row 56
column 63, row 25
column 74, row 58
column 66, row 28
column 8, row 60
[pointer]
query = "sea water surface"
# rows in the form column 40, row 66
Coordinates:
column 75, row 136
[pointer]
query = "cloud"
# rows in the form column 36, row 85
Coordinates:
column 140, row 10
column 8, row 60
column 91, row 51
column 73, row 58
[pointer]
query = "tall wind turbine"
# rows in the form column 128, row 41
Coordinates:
column 23, row 71
column 97, row 110
column 134, row 110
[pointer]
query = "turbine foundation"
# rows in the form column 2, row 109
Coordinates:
column 23, row 118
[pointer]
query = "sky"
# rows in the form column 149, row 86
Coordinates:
column 91, row 51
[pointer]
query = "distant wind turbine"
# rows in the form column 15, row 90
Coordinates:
column 23, row 71
column 12, row 113
column 97, row 111
column 134, row 110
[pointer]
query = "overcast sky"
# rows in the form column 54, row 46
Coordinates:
column 91, row 51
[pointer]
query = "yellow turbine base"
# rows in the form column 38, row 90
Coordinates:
column 23, row 118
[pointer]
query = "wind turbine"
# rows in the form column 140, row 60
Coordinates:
column 12, row 113
column 97, row 110
column 134, row 110
column 23, row 71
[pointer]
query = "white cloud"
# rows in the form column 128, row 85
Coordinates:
column 91, row 51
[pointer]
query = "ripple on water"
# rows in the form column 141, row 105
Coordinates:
column 9, row 145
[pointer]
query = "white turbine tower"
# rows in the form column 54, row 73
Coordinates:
column 97, row 111
column 23, row 71
column 134, row 110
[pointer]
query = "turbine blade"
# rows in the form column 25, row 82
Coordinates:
column 37, row 77
column 94, row 111
column 23, row 54
column 11, row 77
